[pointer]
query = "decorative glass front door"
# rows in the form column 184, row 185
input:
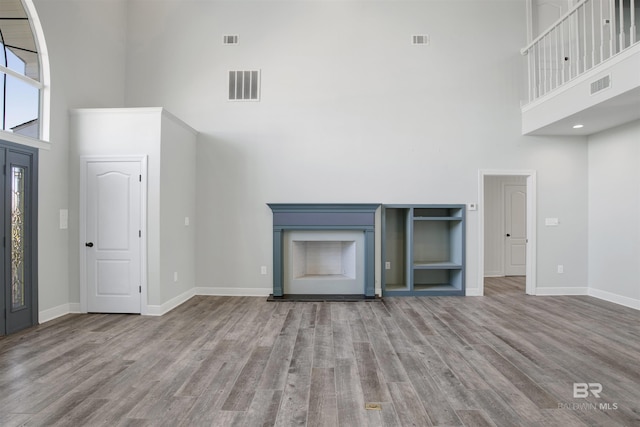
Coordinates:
column 18, row 252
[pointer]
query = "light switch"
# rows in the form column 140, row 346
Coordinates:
column 186, row 221
column 551, row 222
column 64, row 219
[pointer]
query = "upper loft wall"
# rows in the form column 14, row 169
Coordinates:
column 545, row 13
column 86, row 45
column 350, row 111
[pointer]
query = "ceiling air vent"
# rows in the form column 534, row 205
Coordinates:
column 420, row 39
column 230, row 39
column 600, row 84
column 244, row 85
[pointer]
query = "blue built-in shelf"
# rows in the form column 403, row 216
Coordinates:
column 324, row 216
column 423, row 250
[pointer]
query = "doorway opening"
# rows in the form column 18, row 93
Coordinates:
column 507, row 236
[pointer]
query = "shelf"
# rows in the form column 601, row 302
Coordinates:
column 438, row 218
column 435, row 287
column 423, row 250
column 431, row 213
column 396, row 287
column 437, row 265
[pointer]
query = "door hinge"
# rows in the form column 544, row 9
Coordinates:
column 139, row 233
column 139, row 289
column 4, row 169
column 140, row 177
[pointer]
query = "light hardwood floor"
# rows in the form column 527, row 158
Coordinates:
column 505, row 359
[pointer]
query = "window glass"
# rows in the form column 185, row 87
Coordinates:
column 20, row 107
column 20, row 88
column 19, row 49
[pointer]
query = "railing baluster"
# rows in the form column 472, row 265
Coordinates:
column 536, row 74
column 601, row 33
column 622, row 41
column 562, row 56
column 529, row 74
column 577, row 38
column 632, row 28
column 544, row 65
column 576, row 28
column 612, row 28
column 593, row 34
column 585, row 48
column 556, row 56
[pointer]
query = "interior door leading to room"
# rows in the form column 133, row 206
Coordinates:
column 515, row 226
column 18, row 210
column 112, row 199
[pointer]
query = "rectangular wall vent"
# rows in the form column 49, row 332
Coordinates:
column 244, row 85
column 230, row 39
column 420, row 39
column 600, row 84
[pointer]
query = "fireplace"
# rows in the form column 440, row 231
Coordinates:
column 323, row 249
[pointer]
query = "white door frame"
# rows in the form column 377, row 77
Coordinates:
column 84, row 161
column 531, row 283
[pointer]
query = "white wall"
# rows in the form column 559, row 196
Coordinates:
column 350, row 112
column 86, row 44
column 614, row 214
column 177, row 202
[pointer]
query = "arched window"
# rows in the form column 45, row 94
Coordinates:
column 22, row 96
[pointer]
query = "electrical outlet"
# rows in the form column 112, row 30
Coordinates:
column 263, row 269
column 560, row 268
column 387, row 265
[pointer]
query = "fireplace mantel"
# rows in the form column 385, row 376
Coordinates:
column 307, row 216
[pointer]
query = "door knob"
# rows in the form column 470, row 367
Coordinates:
column 89, row 245
column 508, row 235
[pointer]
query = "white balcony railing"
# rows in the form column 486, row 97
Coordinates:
column 590, row 33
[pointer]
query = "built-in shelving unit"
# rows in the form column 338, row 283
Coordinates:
column 423, row 249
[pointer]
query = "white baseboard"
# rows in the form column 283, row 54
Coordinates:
column 233, row 292
column 159, row 310
column 59, row 311
column 472, row 292
column 615, row 298
column 559, row 291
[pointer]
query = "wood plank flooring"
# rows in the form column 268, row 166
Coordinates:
column 505, row 359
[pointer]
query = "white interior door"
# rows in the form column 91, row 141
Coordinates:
column 113, row 236
column 515, row 215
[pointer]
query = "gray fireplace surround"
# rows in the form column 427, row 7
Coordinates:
column 330, row 217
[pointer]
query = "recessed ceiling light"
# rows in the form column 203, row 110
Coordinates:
column 578, row 126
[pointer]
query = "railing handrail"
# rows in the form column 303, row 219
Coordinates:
column 526, row 49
